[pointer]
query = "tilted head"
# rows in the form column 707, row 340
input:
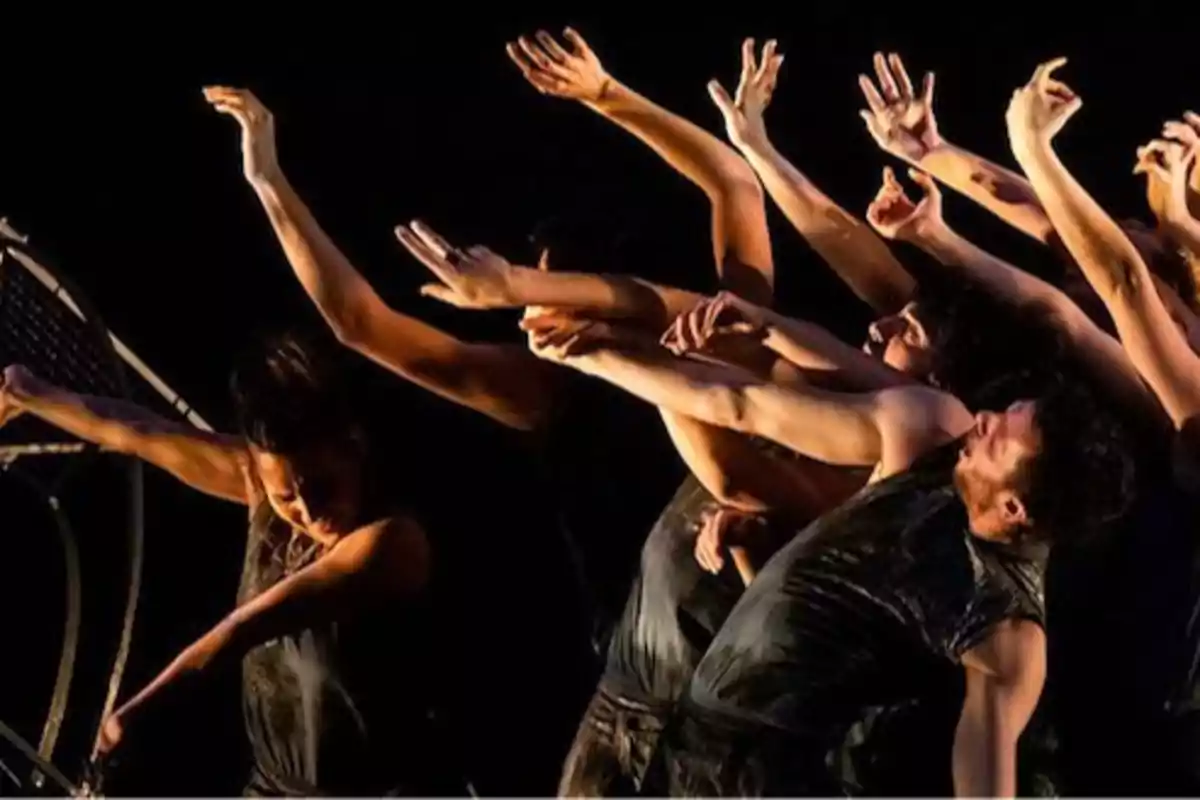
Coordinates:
column 1052, row 468
column 960, row 338
column 306, row 447
column 902, row 341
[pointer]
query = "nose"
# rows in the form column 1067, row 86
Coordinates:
column 885, row 328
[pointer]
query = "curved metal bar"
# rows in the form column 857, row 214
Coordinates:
column 44, row 766
column 74, row 300
column 66, row 660
column 71, row 621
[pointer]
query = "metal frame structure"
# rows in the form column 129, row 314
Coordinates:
column 15, row 248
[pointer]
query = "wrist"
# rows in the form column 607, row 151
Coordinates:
column 522, row 288
column 613, row 95
column 266, row 180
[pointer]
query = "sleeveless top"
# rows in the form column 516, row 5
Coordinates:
column 339, row 710
column 674, row 609
column 862, row 606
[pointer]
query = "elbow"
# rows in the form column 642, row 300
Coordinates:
column 738, row 187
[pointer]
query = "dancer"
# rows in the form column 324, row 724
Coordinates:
column 902, row 123
column 1158, row 348
column 653, row 650
column 939, row 559
column 336, row 573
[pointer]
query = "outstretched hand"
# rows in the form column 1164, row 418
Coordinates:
column 575, row 74
column 900, row 121
column 1171, row 157
column 472, row 278
column 1039, row 109
column 259, row 159
column 895, row 216
column 12, row 391
column 743, row 112
column 714, row 318
column 558, row 336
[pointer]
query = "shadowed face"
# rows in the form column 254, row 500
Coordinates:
column 990, row 467
column 317, row 492
column 901, row 342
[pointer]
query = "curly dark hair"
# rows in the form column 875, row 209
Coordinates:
column 288, row 395
column 980, row 344
column 1083, row 477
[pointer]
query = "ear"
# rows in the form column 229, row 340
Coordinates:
column 1012, row 510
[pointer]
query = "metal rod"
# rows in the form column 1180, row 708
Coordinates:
column 56, row 288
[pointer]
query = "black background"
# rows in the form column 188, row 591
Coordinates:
column 132, row 186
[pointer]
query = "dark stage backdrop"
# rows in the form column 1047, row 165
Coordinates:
column 113, row 163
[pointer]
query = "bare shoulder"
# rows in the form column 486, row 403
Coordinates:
column 915, row 419
column 1014, row 651
column 396, row 549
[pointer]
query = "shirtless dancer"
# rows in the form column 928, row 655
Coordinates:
column 328, row 548
column 677, row 602
column 938, row 560
column 650, row 651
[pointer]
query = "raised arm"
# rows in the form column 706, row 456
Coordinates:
column 211, row 463
column 744, row 264
column 889, row 427
column 1160, row 195
column 859, row 257
column 500, row 381
column 477, row 278
column 1111, row 263
column 1168, row 162
column 813, row 350
column 895, row 216
column 1004, row 679
column 388, row 558
column 903, row 125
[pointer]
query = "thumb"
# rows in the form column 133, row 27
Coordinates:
column 439, row 291
column 720, row 97
column 925, row 181
column 543, row 262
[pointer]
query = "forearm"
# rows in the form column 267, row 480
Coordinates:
column 340, row 293
column 1184, row 231
column 1001, row 191
column 605, row 296
column 741, row 247
column 199, row 658
column 985, row 270
column 713, row 166
column 208, row 462
column 814, row 349
column 983, row 765
column 1101, row 249
column 855, row 252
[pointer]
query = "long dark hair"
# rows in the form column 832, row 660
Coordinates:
column 288, row 395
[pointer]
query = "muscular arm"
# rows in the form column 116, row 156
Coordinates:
column 854, row 251
column 1103, row 354
column 1120, row 276
column 210, row 463
column 385, row 558
column 743, row 261
column 728, row 464
column 500, row 381
column 1001, row 191
column 891, row 426
column 1004, row 678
